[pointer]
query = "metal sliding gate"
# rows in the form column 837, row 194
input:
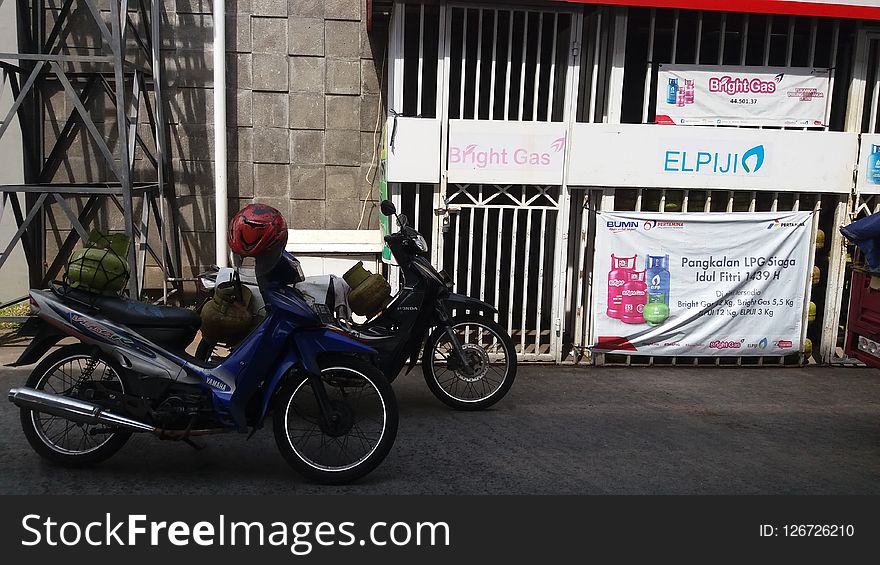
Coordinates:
column 509, row 244
column 501, row 243
column 718, row 38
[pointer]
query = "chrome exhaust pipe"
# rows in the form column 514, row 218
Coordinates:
column 73, row 409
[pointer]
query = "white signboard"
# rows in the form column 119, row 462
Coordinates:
column 742, row 96
column 868, row 179
column 620, row 155
column 412, row 150
column 506, row 152
column 700, row 284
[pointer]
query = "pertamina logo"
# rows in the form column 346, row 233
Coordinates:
column 775, row 224
column 660, row 224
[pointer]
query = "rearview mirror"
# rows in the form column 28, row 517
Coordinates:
column 387, row 208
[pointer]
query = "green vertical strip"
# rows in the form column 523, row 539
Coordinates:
column 384, row 221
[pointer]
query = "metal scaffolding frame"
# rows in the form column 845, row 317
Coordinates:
column 127, row 71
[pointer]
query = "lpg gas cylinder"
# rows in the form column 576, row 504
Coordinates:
column 634, row 296
column 618, row 276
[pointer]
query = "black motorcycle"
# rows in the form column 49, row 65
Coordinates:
column 468, row 359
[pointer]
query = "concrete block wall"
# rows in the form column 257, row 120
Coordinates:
column 302, row 92
column 302, row 102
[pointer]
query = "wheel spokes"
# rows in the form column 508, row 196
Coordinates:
column 64, row 379
column 361, row 408
column 487, row 356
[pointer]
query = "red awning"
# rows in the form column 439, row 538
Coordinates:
column 862, row 9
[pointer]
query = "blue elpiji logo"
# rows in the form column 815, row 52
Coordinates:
column 714, row 162
column 756, row 152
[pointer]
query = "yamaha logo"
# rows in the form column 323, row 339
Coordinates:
column 217, row 383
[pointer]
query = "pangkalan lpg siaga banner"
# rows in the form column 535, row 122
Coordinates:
column 697, row 284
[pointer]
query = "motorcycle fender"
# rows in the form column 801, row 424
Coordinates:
column 313, row 343
column 459, row 301
column 309, row 346
column 47, row 336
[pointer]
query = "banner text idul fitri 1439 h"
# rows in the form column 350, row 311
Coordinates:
column 700, row 283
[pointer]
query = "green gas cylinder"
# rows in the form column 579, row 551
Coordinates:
column 656, row 311
column 101, row 265
column 370, row 292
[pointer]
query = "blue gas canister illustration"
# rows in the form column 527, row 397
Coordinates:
column 672, row 91
column 874, row 165
column 657, row 268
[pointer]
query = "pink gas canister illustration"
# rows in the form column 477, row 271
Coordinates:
column 618, row 276
column 634, row 296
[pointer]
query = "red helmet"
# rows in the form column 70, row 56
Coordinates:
column 256, row 230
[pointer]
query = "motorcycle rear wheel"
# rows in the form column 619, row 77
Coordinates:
column 491, row 367
column 362, row 435
column 65, row 372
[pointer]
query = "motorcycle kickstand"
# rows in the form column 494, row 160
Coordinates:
column 188, row 440
column 191, row 443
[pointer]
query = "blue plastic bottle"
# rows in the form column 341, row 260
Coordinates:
column 874, row 165
column 657, row 277
column 672, row 91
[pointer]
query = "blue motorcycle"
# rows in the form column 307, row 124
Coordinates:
column 334, row 415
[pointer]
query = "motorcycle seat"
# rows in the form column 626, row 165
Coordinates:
column 137, row 314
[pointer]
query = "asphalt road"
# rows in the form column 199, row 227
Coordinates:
column 560, row 430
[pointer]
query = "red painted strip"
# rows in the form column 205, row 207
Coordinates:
column 614, row 343
column 755, row 6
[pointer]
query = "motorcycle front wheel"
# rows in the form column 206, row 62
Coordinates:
column 488, row 370
column 358, row 435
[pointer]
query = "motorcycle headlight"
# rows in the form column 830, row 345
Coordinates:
column 421, row 244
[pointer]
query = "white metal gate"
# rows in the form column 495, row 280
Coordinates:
column 510, row 245
column 503, row 244
column 718, row 38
